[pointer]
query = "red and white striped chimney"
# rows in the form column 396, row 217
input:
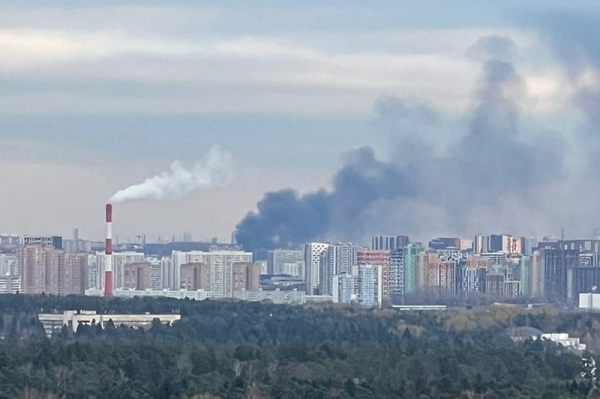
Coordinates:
column 108, row 278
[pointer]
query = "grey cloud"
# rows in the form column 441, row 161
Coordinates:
column 497, row 48
column 397, row 110
column 574, row 35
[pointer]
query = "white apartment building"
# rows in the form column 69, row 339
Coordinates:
column 277, row 297
column 93, row 274
column 343, row 288
column 338, row 259
column 313, row 259
column 292, row 269
column 156, row 273
column 286, row 261
column 370, row 285
column 10, row 284
column 8, row 265
column 264, row 267
column 166, row 266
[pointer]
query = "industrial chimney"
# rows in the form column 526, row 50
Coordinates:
column 108, row 278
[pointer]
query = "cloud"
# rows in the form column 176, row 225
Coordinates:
column 490, row 167
column 189, row 59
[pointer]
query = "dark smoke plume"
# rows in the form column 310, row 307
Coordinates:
column 286, row 219
column 417, row 189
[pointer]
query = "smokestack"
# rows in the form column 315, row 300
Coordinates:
column 108, row 279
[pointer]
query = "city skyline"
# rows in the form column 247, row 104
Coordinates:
column 388, row 272
column 279, row 199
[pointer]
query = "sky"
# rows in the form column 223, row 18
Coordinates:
column 96, row 96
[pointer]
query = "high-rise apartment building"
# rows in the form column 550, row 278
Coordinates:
column 313, row 260
column 93, row 272
column 497, row 243
column 370, row 290
column 179, row 258
column 389, row 243
column 381, row 258
column 195, row 276
column 481, row 244
column 156, row 273
column 439, row 275
column 470, row 279
column 246, row 276
column 44, row 270
column 32, row 265
column 411, row 265
column 286, row 261
column 557, row 265
column 465, row 245
column 343, row 288
column 444, row 243
column 337, row 259
column 220, row 264
column 263, row 265
column 119, row 260
column 41, row 264
column 137, row 276
column 44, row 241
column 74, row 280
column 536, row 275
column 167, row 273
column 528, row 245
column 8, row 265
column 396, row 279
column 584, row 279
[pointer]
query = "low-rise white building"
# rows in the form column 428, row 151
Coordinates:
column 564, row 340
column 10, row 284
column 293, row 297
column 589, row 301
column 54, row 322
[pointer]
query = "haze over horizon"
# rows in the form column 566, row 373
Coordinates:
column 96, row 98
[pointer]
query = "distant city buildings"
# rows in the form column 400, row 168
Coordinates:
column 313, row 261
column 217, row 266
column 369, row 281
column 137, row 276
column 445, row 243
column 391, row 271
column 246, row 276
column 8, row 265
column 502, row 243
column 382, row 259
column 337, row 259
column 44, row 267
column 287, row 262
column 343, row 288
column 389, row 243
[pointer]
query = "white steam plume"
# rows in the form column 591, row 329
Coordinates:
column 215, row 169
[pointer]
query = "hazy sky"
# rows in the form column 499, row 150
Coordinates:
column 95, row 96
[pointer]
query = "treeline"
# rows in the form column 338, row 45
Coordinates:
column 252, row 350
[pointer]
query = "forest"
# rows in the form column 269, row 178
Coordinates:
column 257, row 350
